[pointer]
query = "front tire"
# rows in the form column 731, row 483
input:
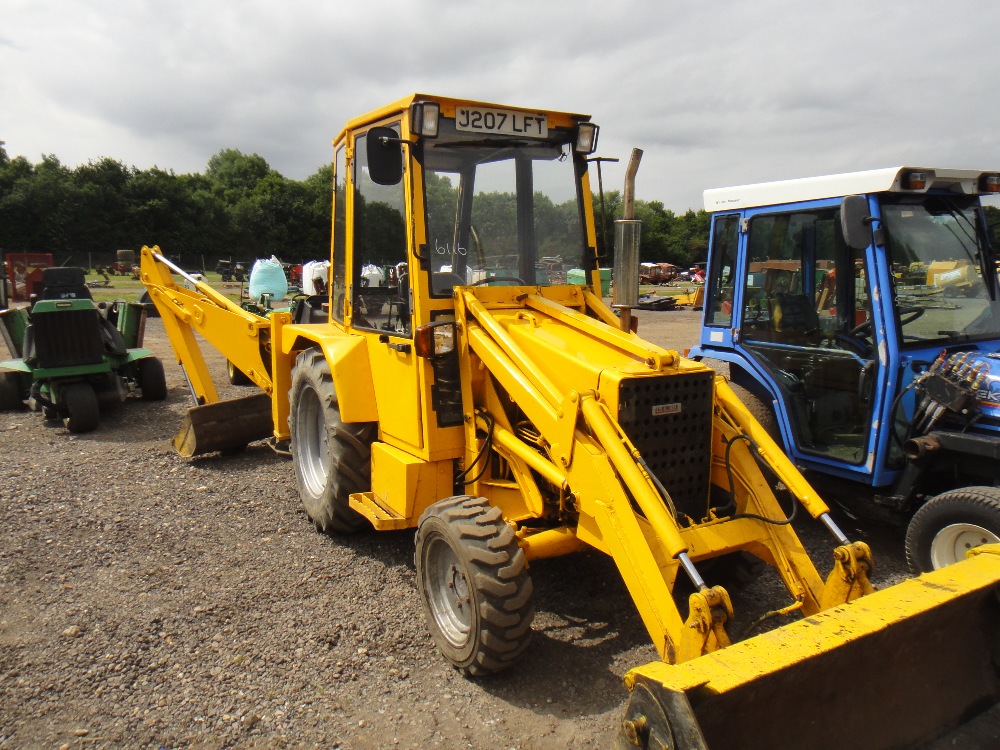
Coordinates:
column 474, row 586
column 949, row 525
column 332, row 459
column 10, row 391
column 82, row 410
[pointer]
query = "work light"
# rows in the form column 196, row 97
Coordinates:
column 586, row 137
column 424, row 118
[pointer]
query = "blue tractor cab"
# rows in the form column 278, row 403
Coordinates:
column 859, row 315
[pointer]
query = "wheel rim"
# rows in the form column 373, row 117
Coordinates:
column 952, row 542
column 448, row 592
column 313, row 443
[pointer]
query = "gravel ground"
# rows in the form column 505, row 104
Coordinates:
column 152, row 601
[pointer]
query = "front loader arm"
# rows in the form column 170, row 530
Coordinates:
column 607, row 496
column 605, row 472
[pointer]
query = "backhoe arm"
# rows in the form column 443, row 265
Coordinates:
column 240, row 335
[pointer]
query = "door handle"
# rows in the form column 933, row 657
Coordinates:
column 403, row 348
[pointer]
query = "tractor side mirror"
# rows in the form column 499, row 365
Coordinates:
column 385, row 156
column 855, row 221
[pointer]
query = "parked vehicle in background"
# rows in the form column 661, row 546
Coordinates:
column 75, row 356
column 860, row 313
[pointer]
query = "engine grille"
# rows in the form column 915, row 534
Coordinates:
column 669, row 420
column 68, row 338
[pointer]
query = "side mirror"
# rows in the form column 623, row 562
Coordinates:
column 855, row 221
column 385, row 156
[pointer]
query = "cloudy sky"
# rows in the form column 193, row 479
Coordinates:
column 715, row 93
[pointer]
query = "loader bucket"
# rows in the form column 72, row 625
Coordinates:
column 895, row 669
column 225, row 425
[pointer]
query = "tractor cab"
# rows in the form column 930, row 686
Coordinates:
column 496, row 199
column 433, row 194
column 832, row 299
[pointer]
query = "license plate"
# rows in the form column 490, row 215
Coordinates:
column 500, row 121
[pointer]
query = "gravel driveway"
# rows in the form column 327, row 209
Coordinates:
column 152, row 601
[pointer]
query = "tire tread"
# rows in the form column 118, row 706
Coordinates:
column 499, row 578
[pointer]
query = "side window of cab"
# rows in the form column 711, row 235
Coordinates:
column 380, row 276
column 725, row 237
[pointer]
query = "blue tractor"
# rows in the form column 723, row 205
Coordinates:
column 860, row 319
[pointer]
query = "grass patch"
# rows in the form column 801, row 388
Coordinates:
column 129, row 289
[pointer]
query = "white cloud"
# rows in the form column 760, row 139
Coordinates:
column 714, row 93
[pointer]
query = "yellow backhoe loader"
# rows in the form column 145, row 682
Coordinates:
column 446, row 383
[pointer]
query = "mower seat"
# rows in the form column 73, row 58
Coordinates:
column 65, row 283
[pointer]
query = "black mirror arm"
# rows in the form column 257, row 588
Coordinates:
column 386, row 140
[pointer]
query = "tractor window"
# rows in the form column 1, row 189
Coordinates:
column 938, row 254
column 339, row 234
column 804, row 320
column 725, row 236
column 380, row 274
column 501, row 208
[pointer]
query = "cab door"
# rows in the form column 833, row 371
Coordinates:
column 381, row 299
column 804, row 312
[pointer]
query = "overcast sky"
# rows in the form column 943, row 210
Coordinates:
column 715, row 93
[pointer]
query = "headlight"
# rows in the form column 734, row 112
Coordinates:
column 586, row 137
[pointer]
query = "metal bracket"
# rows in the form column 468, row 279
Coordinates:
column 852, row 564
column 565, row 429
column 705, row 628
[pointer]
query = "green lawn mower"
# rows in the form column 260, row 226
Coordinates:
column 76, row 356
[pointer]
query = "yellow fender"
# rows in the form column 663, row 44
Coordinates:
column 347, row 355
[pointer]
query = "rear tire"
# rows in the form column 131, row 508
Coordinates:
column 949, row 525
column 236, row 375
column 474, row 586
column 152, row 381
column 332, row 459
column 80, row 402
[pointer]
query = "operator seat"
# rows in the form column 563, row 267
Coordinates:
column 442, row 282
column 65, row 283
column 794, row 320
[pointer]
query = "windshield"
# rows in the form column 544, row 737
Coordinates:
column 938, row 257
column 503, row 208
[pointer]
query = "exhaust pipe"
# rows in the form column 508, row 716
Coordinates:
column 625, row 294
column 916, row 448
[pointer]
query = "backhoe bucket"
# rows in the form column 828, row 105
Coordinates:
column 895, row 669
column 225, row 425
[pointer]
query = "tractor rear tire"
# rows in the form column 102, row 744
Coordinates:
column 10, row 391
column 152, row 381
column 236, row 375
column 82, row 410
column 332, row 459
column 949, row 525
column 474, row 585
column 760, row 411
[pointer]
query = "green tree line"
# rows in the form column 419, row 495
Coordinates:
column 239, row 208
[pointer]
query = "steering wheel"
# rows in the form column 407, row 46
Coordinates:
column 518, row 279
column 906, row 316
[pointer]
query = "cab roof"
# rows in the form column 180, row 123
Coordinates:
column 837, row 185
column 448, row 104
